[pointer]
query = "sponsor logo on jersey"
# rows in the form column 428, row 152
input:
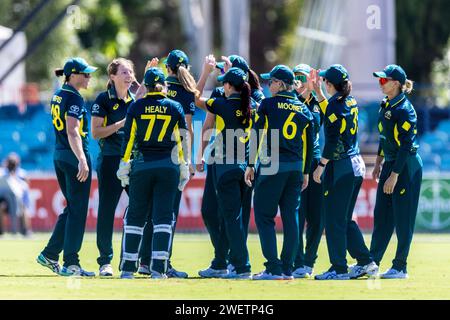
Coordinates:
column 388, row 115
column 74, row 109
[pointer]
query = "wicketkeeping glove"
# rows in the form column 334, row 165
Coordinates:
column 123, row 174
column 184, row 176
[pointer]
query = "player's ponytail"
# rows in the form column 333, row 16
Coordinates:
column 187, row 80
column 253, row 80
column 344, row 89
column 245, row 107
column 59, row 72
column 408, row 86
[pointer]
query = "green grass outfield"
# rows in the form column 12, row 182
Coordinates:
column 22, row 278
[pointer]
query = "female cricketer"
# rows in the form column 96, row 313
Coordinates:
column 284, row 114
column 72, row 167
column 343, row 176
column 214, row 225
column 108, row 118
column 181, row 87
column 312, row 197
column 158, row 170
column 401, row 173
column 233, row 121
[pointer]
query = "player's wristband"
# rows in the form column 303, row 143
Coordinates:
column 321, row 164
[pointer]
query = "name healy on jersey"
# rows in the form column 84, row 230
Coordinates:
column 155, row 109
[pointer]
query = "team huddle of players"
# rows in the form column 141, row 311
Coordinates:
column 253, row 147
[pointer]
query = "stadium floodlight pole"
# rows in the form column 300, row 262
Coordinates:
column 25, row 21
column 38, row 40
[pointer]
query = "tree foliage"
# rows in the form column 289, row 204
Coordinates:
column 272, row 33
column 423, row 31
column 51, row 52
column 142, row 29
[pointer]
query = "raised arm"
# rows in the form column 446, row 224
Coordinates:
column 142, row 90
column 208, row 67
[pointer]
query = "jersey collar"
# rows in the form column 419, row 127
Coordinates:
column 155, row 94
column 334, row 97
column 392, row 103
column 173, row 80
column 69, row 88
column 234, row 96
column 112, row 94
column 286, row 94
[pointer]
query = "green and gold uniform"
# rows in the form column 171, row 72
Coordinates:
column 112, row 109
column 151, row 123
column 312, row 198
column 228, row 177
column 397, row 124
column 214, row 225
column 286, row 115
column 68, row 233
column 342, row 181
column 176, row 92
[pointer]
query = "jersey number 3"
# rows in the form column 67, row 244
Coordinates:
column 354, row 130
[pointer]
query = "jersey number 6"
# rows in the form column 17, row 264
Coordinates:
column 292, row 124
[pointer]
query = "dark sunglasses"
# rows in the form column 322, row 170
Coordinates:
column 86, row 75
column 383, row 81
column 301, row 77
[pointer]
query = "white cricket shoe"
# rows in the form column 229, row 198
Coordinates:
column 356, row 271
column 106, row 270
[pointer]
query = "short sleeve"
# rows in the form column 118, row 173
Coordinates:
column 75, row 107
column 211, row 105
column 98, row 109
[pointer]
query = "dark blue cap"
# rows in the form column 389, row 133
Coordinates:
column 153, row 76
column 335, row 74
column 77, row 65
column 280, row 72
column 392, row 71
column 236, row 62
column 235, row 76
column 176, row 58
column 302, row 68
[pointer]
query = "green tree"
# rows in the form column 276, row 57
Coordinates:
column 157, row 28
column 96, row 30
column 60, row 43
column 277, row 18
column 423, row 31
